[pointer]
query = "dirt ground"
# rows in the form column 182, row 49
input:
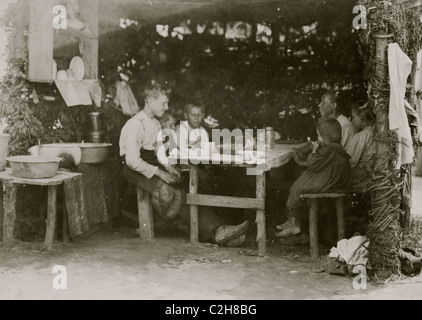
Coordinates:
column 117, row 265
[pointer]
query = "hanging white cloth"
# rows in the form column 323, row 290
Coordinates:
column 126, row 99
column 399, row 66
column 418, row 83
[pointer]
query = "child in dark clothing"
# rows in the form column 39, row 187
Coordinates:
column 328, row 171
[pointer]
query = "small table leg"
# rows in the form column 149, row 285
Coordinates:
column 9, row 214
column 1, row 211
column 66, row 232
column 261, row 237
column 51, row 217
column 193, row 189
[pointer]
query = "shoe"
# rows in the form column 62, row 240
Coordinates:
column 236, row 242
column 295, row 239
column 225, row 233
column 284, row 225
column 292, row 227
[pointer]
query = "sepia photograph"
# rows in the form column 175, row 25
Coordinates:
column 210, row 155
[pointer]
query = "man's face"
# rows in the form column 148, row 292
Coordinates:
column 326, row 107
column 159, row 105
column 195, row 117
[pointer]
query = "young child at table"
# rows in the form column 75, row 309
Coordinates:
column 361, row 147
column 167, row 122
column 191, row 133
column 328, row 171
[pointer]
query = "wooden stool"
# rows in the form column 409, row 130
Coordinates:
column 8, row 214
column 313, row 218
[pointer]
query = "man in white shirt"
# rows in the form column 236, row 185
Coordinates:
column 139, row 145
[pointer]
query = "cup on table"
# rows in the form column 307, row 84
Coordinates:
column 208, row 146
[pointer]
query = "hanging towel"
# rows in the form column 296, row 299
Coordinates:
column 75, row 205
column 418, row 83
column 126, row 99
column 74, row 93
column 399, row 66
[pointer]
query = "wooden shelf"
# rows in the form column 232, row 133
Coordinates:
column 42, row 36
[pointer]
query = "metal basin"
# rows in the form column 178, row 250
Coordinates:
column 34, row 167
column 69, row 151
column 93, row 153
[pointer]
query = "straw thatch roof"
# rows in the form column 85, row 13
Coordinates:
column 293, row 12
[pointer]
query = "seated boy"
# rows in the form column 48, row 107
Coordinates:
column 191, row 133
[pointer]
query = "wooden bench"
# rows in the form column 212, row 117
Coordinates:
column 145, row 215
column 313, row 218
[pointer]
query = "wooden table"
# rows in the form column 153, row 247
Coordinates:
column 274, row 157
column 8, row 213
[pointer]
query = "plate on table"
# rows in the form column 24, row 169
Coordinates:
column 77, row 65
column 251, row 154
column 291, row 141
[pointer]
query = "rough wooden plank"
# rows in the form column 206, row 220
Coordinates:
column 66, row 230
column 89, row 46
column 61, row 176
column 51, row 217
column 40, row 40
column 313, row 228
column 129, row 215
column 412, row 4
column 145, row 215
column 193, row 189
column 225, row 202
column 274, row 158
column 323, row 195
column 9, row 215
column 261, row 237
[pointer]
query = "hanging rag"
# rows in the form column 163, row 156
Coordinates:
column 353, row 251
column 399, row 66
column 415, row 122
column 75, row 205
column 418, row 83
column 126, row 99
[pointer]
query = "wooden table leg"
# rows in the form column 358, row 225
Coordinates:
column 193, row 189
column 9, row 214
column 66, row 232
column 1, row 211
column 51, row 217
column 260, row 216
